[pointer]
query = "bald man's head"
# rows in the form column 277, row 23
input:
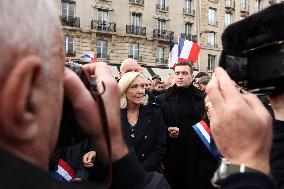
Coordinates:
column 129, row 65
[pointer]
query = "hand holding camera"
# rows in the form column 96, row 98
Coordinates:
column 87, row 112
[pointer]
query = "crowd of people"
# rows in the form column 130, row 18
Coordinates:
column 162, row 135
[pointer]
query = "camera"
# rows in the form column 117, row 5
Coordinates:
column 253, row 51
column 260, row 70
column 70, row 130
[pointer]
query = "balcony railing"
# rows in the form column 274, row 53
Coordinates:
column 138, row 58
column 141, row 2
column 230, row 4
column 244, row 7
column 189, row 11
column 103, row 55
column 189, row 37
column 162, row 7
column 213, row 22
column 210, row 45
column 70, row 53
column 103, row 26
column 70, row 21
column 136, row 30
column 163, row 34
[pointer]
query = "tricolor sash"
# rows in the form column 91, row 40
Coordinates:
column 204, row 133
column 64, row 172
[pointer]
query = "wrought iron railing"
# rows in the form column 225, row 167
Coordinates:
column 163, row 34
column 136, row 30
column 103, row 26
column 70, row 21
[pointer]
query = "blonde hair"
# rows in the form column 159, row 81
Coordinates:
column 124, row 83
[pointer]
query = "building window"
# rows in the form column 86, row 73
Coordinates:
column 161, row 4
column 68, row 10
column 102, row 15
column 189, row 4
column 211, row 39
column 228, row 19
column 244, row 5
column 212, row 16
column 230, row 3
column 134, row 51
column 69, row 44
column 161, row 25
column 136, row 19
column 211, row 62
column 101, row 49
column 257, row 5
column 188, row 28
column 160, row 55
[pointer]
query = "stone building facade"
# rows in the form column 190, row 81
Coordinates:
column 114, row 30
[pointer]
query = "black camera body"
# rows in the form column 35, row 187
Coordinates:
column 253, row 51
column 70, row 130
column 260, row 70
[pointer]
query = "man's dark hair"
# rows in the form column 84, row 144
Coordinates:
column 185, row 64
column 201, row 74
column 204, row 80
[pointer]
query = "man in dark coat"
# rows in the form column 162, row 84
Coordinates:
column 182, row 107
column 32, row 79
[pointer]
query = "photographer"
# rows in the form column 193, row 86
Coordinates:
column 32, row 78
column 241, row 126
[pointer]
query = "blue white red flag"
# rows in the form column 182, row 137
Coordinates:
column 187, row 51
column 184, row 51
column 64, row 172
column 204, row 133
column 89, row 57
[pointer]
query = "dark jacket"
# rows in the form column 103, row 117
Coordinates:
column 127, row 173
column 187, row 160
column 150, row 136
column 277, row 154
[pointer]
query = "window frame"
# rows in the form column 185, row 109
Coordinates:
column 101, row 48
column 68, row 8
column 212, row 14
column 66, row 44
column 210, row 39
column 132, row 50
column 160, row 54
column 210, row 65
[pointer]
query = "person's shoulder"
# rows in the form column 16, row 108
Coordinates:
column 197, row 93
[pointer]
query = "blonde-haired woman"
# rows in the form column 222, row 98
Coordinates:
column 142, row 123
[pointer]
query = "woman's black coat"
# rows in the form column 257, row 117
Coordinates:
column 150, row 136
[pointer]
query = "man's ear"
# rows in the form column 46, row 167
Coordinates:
column 19, row 108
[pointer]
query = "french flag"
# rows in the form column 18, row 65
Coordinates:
column 64, row 172
column 89, row 57
column 187, row 51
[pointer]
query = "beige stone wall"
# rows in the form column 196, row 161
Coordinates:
column 120, row 12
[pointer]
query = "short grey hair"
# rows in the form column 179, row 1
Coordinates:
column 28, row 26
column 204, row 80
